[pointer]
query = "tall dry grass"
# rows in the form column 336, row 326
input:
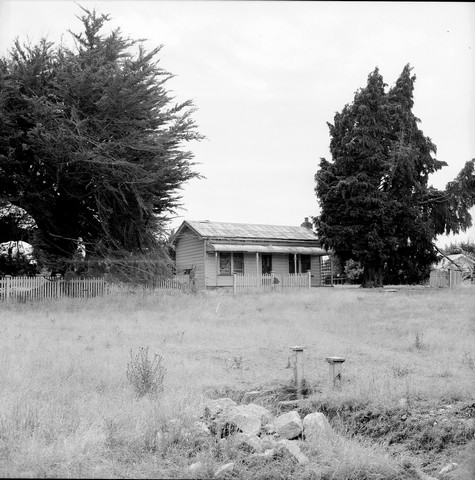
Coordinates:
column 67, row 408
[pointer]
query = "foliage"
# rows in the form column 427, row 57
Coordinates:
column 145, row 375
column 353, row 271
column 466, row 248
column 376, row 205
column 19, row 264
column 15, row 223
column 91, row 143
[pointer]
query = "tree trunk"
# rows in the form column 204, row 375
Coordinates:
column 373, row 275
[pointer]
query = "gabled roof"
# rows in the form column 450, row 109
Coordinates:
column 233, row 231
column 460, row 259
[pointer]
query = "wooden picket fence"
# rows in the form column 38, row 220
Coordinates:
column 177, row 282
column 270, row 282
column 44, row 288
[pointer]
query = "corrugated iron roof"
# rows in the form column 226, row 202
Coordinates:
column 248, row 230
column 252, row 248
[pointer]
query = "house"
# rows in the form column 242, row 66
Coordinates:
column 457, row 261
column 218, row 250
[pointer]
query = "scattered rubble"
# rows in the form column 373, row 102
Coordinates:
column 253, row 429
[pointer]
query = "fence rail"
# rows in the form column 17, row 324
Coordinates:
column 178, row 282
column 270, row 282
column 44, row 288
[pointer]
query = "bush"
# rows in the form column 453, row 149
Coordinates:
column 145, row 375
column 353, row 271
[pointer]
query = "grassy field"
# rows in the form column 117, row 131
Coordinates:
column 67, row 408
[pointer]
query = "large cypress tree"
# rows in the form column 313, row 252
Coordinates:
column 376, row 204
column 91, row 143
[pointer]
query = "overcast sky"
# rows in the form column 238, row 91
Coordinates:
column 266, row 77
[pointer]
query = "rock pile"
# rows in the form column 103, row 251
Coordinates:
column 256, row 431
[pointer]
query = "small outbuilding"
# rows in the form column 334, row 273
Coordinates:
column 458, row 261
column 216, row 251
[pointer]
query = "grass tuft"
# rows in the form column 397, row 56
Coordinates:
column 146, row 375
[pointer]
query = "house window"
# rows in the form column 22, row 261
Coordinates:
column 304, row 263
column 225, row 263
column 238, row 262
column 230, row 263
column 266, row 264
column 292, row 263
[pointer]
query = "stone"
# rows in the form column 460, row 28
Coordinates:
column 195, row 467
column 289, row 425
column 248, row 418
column 200, row 428
column 268, row 453
column 213, row 408
column 293, row 449
column 214, row 414
column 317, row 428
column 448, row 468
column 268, row 429
column 268, row 441
column 248, row 442
column 222, row 471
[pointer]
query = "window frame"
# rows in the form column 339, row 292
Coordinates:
column 299, row 263
column 231, row 271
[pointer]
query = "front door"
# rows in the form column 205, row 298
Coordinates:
column 266, row 264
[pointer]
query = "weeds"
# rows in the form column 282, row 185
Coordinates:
column 145, row 375
column 468, row 360
column 418, row 341
column 50, row 417
column 236, row 362
column 400, row 371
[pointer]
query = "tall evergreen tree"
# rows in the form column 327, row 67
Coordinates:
column 376, row 204
column 91, row 143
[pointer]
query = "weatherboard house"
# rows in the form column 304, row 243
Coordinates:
column 216, row 251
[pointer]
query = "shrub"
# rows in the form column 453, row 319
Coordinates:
column 145, row 375
column 353, row 271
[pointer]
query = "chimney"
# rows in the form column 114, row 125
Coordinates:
column 307, row 224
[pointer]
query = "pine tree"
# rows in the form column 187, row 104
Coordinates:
column 91, row 143
column 377, row 207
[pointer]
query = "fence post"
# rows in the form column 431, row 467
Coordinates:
column 7, row 286
column 331, row 270
column 57, row 283
column 234, row 283
column 309, row 279
column 335, row 364
column 298, row 369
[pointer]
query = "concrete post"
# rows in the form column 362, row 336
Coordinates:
column 298, row 369
column 335, row 364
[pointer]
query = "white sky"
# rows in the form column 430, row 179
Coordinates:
column 267, row 76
